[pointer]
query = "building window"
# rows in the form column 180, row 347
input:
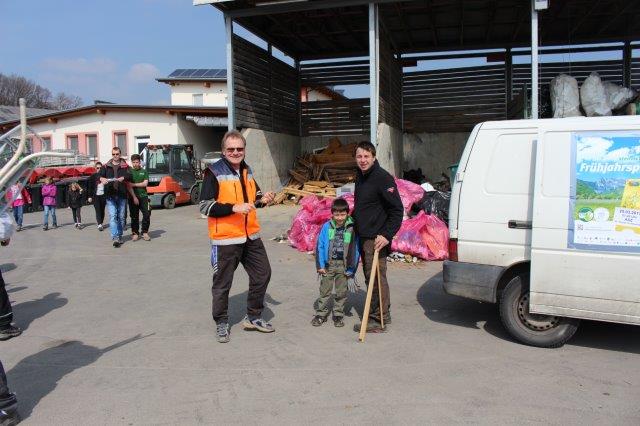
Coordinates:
column 46, row 143
column 120, row 140
column 197, row 99
column 92, row 145
column 72, row 142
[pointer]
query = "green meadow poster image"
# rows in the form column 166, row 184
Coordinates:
column 605, row 213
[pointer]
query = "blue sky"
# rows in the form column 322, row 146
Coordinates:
column 605, row 149
column 110, row 50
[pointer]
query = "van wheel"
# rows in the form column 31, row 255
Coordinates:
column 195, row 195
column 544, row 331
column 169, row 201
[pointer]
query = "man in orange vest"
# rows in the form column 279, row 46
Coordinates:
column 228, row 198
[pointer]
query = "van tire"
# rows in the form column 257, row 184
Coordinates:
column 543, row 331
column 169, row 201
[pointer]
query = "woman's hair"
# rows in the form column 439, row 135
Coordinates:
column 74, row 186
column 48, row 180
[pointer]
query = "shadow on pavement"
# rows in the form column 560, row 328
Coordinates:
column 17, row 289
column 443, row 308
column 238, row 308
column 156, row 233
column 6, row 267
column 37, row 375
column 27, row 312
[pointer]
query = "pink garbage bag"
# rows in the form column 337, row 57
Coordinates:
column 308, row 221
column 424, row 236
column 410, row 193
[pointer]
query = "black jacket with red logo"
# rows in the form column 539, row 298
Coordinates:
column 378, row 209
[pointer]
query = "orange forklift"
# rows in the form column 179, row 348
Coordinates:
column 173, row 178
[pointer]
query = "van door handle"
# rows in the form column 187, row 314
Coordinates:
column 519, row 224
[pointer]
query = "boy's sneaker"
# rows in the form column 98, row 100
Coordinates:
column 338, row 322
column 146, row 237
column 318, row 320
column 373, row 326
column 222, row 332
column 9, row 331
column 100, row 227
column 257, row 324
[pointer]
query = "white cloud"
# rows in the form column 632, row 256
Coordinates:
column 592, row 148
column 80, row 65
column 143, row 72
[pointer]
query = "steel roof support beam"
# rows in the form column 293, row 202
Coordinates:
column 231, row 112
column 534, row 61
column 300, row 7
column 374, row 70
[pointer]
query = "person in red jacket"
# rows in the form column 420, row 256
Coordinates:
column 20, row 197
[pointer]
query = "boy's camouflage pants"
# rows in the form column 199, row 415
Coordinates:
column 335, row 275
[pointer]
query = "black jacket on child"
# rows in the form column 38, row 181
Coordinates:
column 74, row 198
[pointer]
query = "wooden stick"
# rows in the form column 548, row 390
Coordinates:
column 380, row 297
column 367, row 304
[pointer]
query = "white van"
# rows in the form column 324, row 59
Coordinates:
column 545, row 221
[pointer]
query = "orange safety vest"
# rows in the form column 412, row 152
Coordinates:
column 237, row 227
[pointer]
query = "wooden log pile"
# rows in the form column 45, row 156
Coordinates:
column 320, row 174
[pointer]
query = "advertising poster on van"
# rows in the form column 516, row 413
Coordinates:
column 605, row 212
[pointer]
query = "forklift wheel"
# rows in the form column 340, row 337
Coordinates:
column 169, row 201
column 195, row 195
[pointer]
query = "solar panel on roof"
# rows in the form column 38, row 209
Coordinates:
column 221, row 73
column 200, row 73
column 210, row 73
column 184, row 73
column 176, row 72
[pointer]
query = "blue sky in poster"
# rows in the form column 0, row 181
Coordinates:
column 608, row 156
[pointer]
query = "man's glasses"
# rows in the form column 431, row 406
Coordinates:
column 230, row 150
column 115, row 153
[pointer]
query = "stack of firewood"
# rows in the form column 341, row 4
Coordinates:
column 320, row 174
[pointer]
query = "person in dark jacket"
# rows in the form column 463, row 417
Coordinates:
column 114, row 175
column 378, row 215
column 74, row 201
column 95, row 192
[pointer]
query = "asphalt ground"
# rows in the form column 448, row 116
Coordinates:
column 125, row 336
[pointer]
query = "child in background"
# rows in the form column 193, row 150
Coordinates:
column 20, row 197
column 336, row 260
column 49, row 192
column 74, row 201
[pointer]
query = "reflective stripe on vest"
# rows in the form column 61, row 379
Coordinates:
column 236, row 227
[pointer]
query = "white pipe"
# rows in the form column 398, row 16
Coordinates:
column 534, row 61
column 23, row 140
column 16, row 168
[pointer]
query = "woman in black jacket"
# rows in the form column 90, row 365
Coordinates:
column 96, row 195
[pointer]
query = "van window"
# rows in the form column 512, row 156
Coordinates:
column 509, row 170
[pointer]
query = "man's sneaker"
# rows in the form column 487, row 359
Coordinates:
column 117, row 243
column 19, row 228
column 100, row 227
column 9, row 331
column 135, row 237
column 373, row 326
column 257, row 324
column 338, row 322
column 146, row 237
column 54, row 226
column 222, row 332
column 45, row 228
column 318, row 320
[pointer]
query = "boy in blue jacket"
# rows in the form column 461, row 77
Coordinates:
column 336, row 260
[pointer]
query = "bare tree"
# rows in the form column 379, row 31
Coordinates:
column 14, row 87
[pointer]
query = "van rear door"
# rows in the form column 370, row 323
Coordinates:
column 585, row 248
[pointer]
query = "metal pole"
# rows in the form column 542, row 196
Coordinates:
column 297, row 64
column 627, row 54
column 508, row 75
column 534, row 61
column 231, row 104
column 374, row 52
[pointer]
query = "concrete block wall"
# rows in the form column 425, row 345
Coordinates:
column 433, row 152
column 270, row 156
column 390, row 149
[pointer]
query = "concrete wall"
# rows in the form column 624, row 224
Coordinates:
column 271, row 155
column 390, row 149
column 215, row 95
column 160, row 127
column 309, row 143
column 433, row 152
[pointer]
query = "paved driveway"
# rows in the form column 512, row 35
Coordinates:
column 124, row 336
